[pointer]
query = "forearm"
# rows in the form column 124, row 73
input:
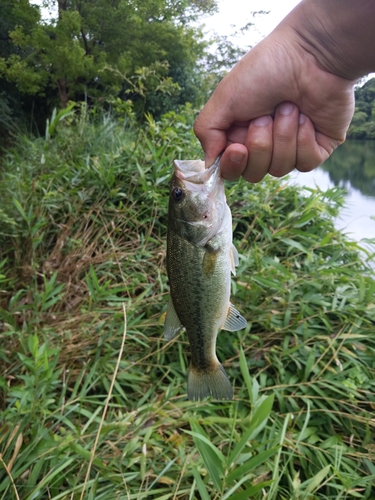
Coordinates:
column 340, row 34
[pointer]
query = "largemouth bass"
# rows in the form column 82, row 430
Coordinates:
column 200, row 259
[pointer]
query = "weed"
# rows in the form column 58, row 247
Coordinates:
column 82, row 235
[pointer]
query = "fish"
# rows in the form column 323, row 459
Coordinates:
column 200, row 259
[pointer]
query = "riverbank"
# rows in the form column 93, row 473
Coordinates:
column 93, row 399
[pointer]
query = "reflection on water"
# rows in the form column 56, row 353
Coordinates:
column 351, row 166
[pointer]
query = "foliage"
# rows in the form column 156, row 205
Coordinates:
column 93, row 398
column 15, row 13
column 150, row 52
column 6, row 118
column 363, row 122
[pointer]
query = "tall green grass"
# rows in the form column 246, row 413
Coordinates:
column 93, row 399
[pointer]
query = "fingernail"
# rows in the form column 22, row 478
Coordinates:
column 236, row 157
column 262, row 121
column 302, row 118
column 286, row 108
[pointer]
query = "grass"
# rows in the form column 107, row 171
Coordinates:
column 93, row 399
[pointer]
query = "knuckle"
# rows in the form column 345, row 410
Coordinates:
column 197, row 127
column 284, row 137
column 259, row 145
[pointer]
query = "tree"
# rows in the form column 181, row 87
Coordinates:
column 359, row 118
column 363, row 122
column 101, row 48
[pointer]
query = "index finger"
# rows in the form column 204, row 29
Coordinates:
column 213, row 140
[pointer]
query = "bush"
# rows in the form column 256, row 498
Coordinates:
column 93, row 399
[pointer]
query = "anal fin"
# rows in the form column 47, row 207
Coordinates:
column 234, row 321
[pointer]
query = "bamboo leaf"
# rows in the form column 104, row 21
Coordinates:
column 250, row 465
column 200, row 484
column 311, row 485
column 246, row 375
column 256, row 424
column 211, row 455
column 250, row 492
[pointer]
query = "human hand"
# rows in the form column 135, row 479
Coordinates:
column 278, row 109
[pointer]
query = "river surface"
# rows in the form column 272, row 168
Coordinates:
column 352, row 167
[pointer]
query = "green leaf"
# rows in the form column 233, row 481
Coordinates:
column 86, row 454
column 20, row 209
column 294, row 244
column 250, row 492
column 311, row 485
column 211, row 456
column 219, row 457
column 268, row 283
column 310, row 363
column 246, row 375
column 49, row 477
column 256, row 424
column 162, row 473
column 250, row 465
column 57, row 117
column 33, row 344
column 201, row 486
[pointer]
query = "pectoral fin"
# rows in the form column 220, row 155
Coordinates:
column 234, row 321
column 234, row 260
column 172, row 325
column 209, row 261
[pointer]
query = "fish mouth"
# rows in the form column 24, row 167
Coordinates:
column 194, row 171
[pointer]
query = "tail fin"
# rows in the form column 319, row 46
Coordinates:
column 215, row 383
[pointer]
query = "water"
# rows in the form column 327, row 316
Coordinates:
column 351, row 166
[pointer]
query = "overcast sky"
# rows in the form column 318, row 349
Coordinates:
column 234, row 14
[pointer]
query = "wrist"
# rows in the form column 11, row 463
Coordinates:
column 338, row 33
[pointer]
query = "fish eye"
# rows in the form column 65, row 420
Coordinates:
column 177, row 194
